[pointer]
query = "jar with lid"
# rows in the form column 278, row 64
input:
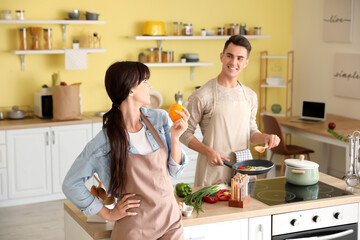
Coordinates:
column 257, row 30
column 242, row 29
column 22, row 35
column 233, row 29
column 177, row 28
column 221, row 31
column 153, row 55
column 20, row 15
column 142, row 57
column 47, row 38
column 188, row 29
column 6, row 15
column 167, row 56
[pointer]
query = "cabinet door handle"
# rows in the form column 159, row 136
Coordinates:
column 261, row 232
column 53, row 137
column 47, row 138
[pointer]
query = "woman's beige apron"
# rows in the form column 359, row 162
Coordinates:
column 159, row 216
column 228, row 131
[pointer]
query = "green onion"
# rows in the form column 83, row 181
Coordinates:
column 196, row 199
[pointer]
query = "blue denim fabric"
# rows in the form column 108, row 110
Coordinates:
column 96, row 158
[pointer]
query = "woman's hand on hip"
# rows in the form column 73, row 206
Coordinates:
column 121, row 208
column 181, row 124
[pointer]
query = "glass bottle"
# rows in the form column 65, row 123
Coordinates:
column 233, row 29
column 221, row 31
column 20, row 15
column 188, row 29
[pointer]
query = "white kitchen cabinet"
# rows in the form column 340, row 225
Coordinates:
column 38, row 158
column 29, row 162
column 236, row 229
column 260, row 228
column 96, row 127
column 67, row 142
column 189, row 172
column 3, row 184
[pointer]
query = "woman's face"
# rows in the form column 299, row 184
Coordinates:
column 141, row 92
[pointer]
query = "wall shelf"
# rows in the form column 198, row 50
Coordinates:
column 64, row 23
column 22, row 53
column 192, row 65
column 159, row 39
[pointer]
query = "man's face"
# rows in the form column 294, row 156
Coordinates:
column 234, row 60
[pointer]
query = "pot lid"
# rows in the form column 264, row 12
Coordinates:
column 305, row 164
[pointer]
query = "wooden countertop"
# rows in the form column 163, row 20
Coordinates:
column 344, row 126
column 222, row 212
column 35, row 122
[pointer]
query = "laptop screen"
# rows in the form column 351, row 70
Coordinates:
column 313, row 110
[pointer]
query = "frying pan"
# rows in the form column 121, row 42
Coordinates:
column 255, row 162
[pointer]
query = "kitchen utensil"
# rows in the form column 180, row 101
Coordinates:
column 91, row 15
column 352, row 178
column 74, row 14
column 254, row 162
column 301, row 172
column 152, row 28
column 15, row 113
column 260, row 149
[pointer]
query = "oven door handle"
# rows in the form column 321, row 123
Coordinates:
column 327, row 237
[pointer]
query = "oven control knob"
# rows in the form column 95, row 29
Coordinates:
column 338, row 215
column 294, row 222
column 316, row 219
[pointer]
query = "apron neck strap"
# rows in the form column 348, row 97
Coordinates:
column 152, row 129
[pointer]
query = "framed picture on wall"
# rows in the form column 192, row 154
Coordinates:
column 346, row 75
column 338, row 20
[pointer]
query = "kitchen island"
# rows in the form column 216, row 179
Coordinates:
column 76, row 226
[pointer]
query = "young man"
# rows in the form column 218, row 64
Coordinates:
column 226, row 111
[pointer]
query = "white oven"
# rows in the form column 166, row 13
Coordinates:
column 337, row 222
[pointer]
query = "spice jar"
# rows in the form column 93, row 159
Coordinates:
column 47, row 38
column 233, row 29
column 6, row 15
column 221, row 31
column 177, row 28
column 150, row 55
column 167, row 56
column 257, row 30
column 188, row 29
column 157, row 54
column 142, row 57
column 35, row 37
column 22, row 35
column 20, row 15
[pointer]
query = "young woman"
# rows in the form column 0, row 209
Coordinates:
column 134, row 156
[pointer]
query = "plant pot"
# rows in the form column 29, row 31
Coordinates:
column 301, row 172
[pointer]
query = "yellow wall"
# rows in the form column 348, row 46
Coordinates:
column 123, row 19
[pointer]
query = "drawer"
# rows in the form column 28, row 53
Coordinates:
column 2, row 156
column 2, row 137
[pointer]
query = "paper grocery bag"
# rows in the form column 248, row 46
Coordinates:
column 66, row 102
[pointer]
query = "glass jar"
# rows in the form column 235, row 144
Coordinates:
column 242, row 29
column 6, row 15
column 150, row 55
column 35, row 37
column 76, row 44
column 142, row 57
column 167, row 56
column 221, row 31
column 20, row 15
column 47, row 38
column 257, row 30
column 22, row 35
column 188, row 29
column 177, row 28
column 233, row 29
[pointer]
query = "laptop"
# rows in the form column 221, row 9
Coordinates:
column 312, row 112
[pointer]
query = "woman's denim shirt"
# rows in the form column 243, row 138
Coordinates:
column 95, row 158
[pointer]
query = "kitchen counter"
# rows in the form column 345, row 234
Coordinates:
column 35, row 122
column 220, row 211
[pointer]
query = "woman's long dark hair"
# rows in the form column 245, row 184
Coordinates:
column 119, row 79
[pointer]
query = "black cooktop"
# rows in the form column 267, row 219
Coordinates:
column 277, row 191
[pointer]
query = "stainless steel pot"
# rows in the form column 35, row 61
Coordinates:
column 301, row 172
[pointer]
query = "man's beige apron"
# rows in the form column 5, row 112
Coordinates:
column 228, row 131
column 159, row 216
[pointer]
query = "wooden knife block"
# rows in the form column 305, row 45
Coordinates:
column 239, row 204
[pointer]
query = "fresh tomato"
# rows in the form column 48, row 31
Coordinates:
column 210, row 199
column 332, row 125
column 242, row 168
